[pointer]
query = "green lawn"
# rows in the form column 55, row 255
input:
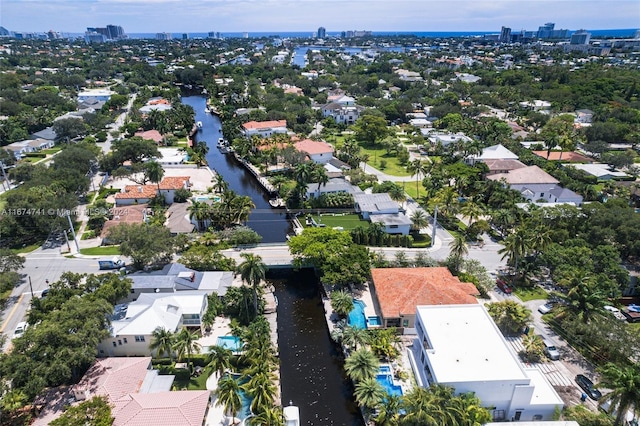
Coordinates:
column 421, row 241
column 393, row 167
column 530, row 293
column 346, row 221
column 27, row 249
column 101, row 251
column 50, row 151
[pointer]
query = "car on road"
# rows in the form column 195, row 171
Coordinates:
column 546, row 308
column 587, row 386
column 502, row 285
column 20, row 328
column 44, row 292
column 552, row 352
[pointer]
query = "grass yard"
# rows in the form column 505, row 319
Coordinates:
column 393, row 167
column 27, row 249
column 421, row 241
column 530, row 293
column 101, row 251
column 346, row 221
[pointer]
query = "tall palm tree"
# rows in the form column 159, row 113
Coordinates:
column 229, row 395
column 252, row 271
column 471, row 211
column 219, row 184
column 584, row 297
column 417, row 168
column 516, row 246
column 341, row 302
column 270, row 416
column 419, row 220
column 397, row 194
column 361, row 365
column 262, row 390
column 186, row 343
column 624, row 382
column 389, row 411
column 154, row 172
column 369, row 393
column 469, row 410
column 200, row 212
column 162, row 341
column 458, row 249
column 355, row 336
column 219, row 360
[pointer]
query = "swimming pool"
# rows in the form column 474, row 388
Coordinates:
column 384, row 369
column 232, row 343
column 356, row 316
column 386, row 381
column 374, row 321
column 245, row 411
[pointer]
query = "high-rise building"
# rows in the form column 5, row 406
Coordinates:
column 580, row 37
column 115, row 32
column 505, row 35
column 185, row 36
column 322, row 32
column 544, row 31
column 163, row 36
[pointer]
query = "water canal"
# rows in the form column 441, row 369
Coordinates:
column 311, row 365
column 272, row 224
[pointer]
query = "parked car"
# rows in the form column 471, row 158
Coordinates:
column 20, row 329
column 502, row 285
column 552, row 352
column 44, row 292
column 546, row 308
column 587, row 386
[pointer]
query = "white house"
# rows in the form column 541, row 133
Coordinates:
column 447, row 138
column 494, row 152
column 132, row 324
column 264, row 129
column 537, row 105
column 319, row 152
column 98, row 94
column 548, row 193
column 601, row 171
column 380, row 208
column 140, row 194
column 334, row 186
column 342, row 114
column 460, row 346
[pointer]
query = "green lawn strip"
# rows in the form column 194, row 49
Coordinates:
column 101, row 251
column 530, row 293
column 27, row 249
column 393, row 167
column 183, row 380
column 347, row 221
column 421, row 241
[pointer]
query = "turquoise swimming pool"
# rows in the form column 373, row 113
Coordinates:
column 232, row 343
column 385, row 379
column 356, row 316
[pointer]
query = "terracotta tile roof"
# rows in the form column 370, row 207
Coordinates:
column 138, row 192
column 130, row 214
column 184, row 408
column 571, row 157
column 400, row 290
column 159, row 102
column 525, row 175
column 253, row 125
column 115, row 377
column 174, row 182
column 313, row 147
column 153, row 135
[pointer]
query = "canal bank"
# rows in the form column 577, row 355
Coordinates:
column 272, row 224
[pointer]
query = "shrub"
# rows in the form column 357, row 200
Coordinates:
column 181, row 195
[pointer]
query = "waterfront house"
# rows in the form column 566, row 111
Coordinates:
column 136, row 393
column 460, row 346
column 152, row 135
column 139, row 194
column 319, row 152
column 380, row 208
column 132, row 324
column 601, row 171
column 333, row 186
column 398, row 291
column 264, row 129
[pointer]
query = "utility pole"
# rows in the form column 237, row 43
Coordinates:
column 435, row 225
column 30, row 286
column 73, row 232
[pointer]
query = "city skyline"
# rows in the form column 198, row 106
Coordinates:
column 151, row 16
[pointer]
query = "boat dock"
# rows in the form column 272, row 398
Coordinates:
column 264, row 182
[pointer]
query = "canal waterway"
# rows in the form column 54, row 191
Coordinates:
column 271, row 224
column 311, row 365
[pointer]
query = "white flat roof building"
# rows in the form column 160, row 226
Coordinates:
column 460, row 346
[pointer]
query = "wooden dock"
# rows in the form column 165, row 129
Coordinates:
column 264, row 182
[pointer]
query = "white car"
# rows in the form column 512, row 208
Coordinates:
column 545, row 309
column 20, row 328
column 611, row 309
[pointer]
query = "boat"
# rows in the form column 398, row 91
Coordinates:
column 277, row 203
column 199, row 124
column 291, row 415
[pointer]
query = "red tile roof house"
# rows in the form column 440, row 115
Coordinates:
column 138, row 395
column 398, row 291
column 139, row 194
column 264, row 129
column 152, row 135
column 131, row 214
column 318, row 151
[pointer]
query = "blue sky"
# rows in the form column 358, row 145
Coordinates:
column 137, row 16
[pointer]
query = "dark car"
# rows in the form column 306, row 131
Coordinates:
column 44, row 292
column 502, row 285
column 587, row 386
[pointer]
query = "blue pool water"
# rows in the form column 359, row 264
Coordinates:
column 232, row 343
column 245, row 411
column 384, row 369
column 387, row 383
column 356, row 316
column 374, row 321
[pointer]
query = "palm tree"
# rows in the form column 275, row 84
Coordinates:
column 389, row 411
column 199, row 211
column 354, row 337
column 341, row 302
column 471, row 211
column 361, row 365
column 584, row 297
column 419, row 220
column 219, row 184
column 369, row 393
column 516, row 246
column 458, row 249
column 270, row 416
column 162, row 340
column 422, row 408
column 229, row 395
column 186, row 343
column 624, row 382
column 417, row 168
column 469, row 410
column 397, row 194
column 219, row 360
column 262, row 390
column 252, row 271
column 154, row 172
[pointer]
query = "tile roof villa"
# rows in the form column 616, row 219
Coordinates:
column 399, row 290
column 138, row 395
